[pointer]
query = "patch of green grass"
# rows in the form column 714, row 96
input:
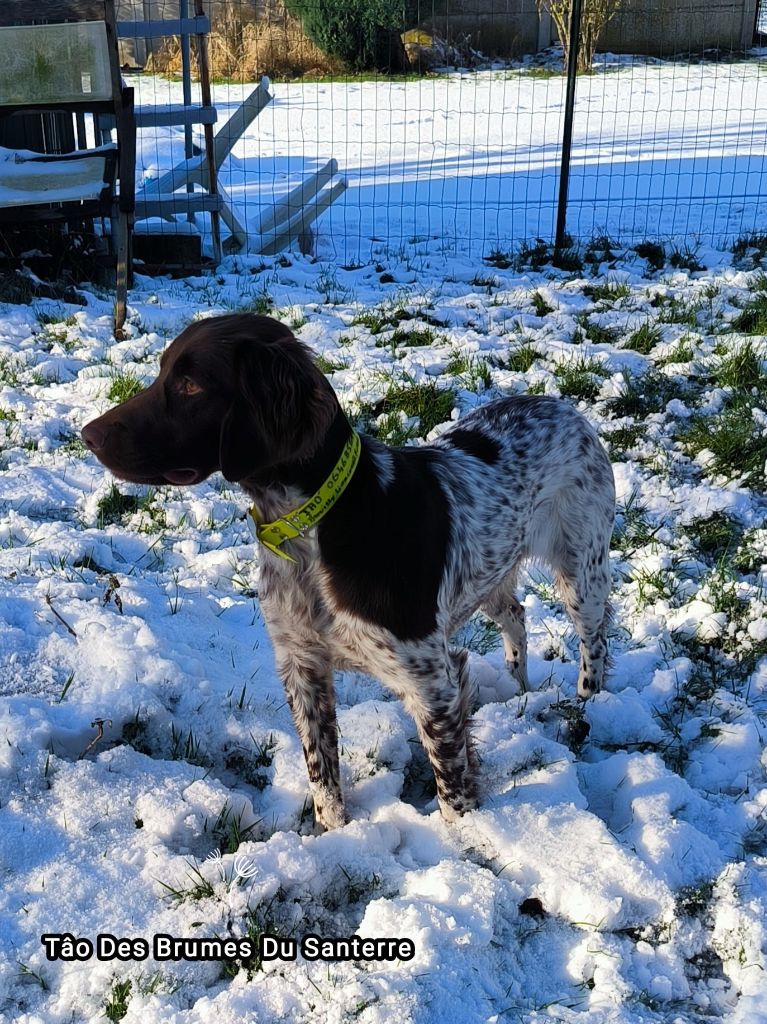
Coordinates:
column 685, row 257
column 28, row 973
column 644, row 338
column 328, row 285
column 134, row 732
column 741, row 654
column 148, row 985
column 715, row 536
column 252, row 767
column 535, row 255
column 682, row 352
column 114, row 505
column 641, row 395
column 536, row 72
column 623, row 440
column 154, row 518
column 228, row 830
column 374, row 319
column 609, row 291
column 186, row 748
column 722, row 591
column 540, row 305
column 116, row 1004
column 423, row 314
column 741, row 369
column 259, row 921
column 539, row 254
column 327, row 365
column 480, row 635
column 677, row 310
column 633, row 525
column 500, row 259
column 600, row 250
column 16, row 288
column 753, row 317
column 414, row 338
column 10, row 372
column 750, row 555
column 124, row 385
column 653, row 253
column 568, row 257
column 471, row 372
column 395, row 429
column 737, row 444
column 378, row 319
column 261, row 305
column 580, row 378
column 459, row 362
column 199, row 888
column 486, row 281
column 592, row 331
column 52, row 315
column 695, row 899
column 521, row 357
column 573, row 716
column 426, row 400
column 752, row 247
column 653, row 585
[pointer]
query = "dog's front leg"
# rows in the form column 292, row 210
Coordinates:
column 308, row 684
column 440, row 703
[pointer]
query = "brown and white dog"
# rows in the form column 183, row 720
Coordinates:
column 419, row 539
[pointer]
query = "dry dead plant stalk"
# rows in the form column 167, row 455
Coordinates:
column 245, row 51
column 62, row 620
column 97, row 724
column 595, row 14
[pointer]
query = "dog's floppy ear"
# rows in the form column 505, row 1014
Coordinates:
column 281, row 409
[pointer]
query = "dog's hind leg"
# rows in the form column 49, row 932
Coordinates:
column 503, row 608
column 309, row 688
column 440, row 703
column 583, row 580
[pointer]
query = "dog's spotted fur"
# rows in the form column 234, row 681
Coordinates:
column 419, row 540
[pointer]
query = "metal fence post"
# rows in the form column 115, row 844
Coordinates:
column 567, row 130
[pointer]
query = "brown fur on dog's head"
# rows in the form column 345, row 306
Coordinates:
column 235, row 393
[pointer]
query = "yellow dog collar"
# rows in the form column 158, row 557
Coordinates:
column 296, row 523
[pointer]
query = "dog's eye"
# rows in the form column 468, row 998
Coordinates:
column 188, row 387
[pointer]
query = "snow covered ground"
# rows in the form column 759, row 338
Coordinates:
column 471, row 161
column 616, row 870
column 150, row 778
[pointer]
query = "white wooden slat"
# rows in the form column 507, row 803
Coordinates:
column 167, row 204
column 174, row 114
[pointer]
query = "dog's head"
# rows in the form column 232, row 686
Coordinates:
column 235, row 393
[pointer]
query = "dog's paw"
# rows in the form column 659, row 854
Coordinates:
column 456, row 809
column 329, row 813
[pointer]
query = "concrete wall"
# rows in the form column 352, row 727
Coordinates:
column 666, row 27
column 496, row 27
column 656, row 27
column 134, row 52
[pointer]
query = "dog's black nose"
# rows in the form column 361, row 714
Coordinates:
column 93, row 436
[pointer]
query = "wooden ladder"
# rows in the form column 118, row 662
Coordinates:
column 161, row 203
